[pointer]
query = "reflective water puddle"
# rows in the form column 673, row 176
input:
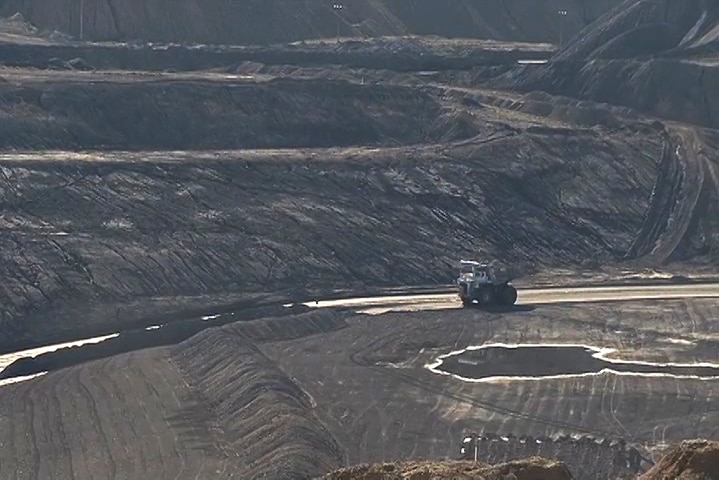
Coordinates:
column 9, row 358
column 501, row 362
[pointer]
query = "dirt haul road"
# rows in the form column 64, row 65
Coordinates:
column 530, row 296
column 438, row 301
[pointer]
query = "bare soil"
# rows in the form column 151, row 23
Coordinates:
column 535, row 469
column 262, row 22
column 149, row 225
column 242, row 179
column 690, row 460
column 345, row 389
column 553, row 184
column 385, row 177
column 637, row 55
column 229, row 113
column 151, row 228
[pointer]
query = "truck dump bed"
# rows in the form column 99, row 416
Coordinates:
column 499, row 273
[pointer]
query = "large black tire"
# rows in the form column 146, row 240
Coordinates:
column 486, row 296
column 462, row 292
column 509, row 295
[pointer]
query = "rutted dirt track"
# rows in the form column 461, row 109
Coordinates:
column 685, row 177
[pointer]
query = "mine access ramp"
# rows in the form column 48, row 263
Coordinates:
column 485, row 284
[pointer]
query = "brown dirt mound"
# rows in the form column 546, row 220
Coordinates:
column 535, row 468
column 690, row 460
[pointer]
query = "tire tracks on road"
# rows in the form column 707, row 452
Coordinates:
column 677, row 189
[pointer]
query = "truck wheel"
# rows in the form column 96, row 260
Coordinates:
column 509, row 295
column 486, row 296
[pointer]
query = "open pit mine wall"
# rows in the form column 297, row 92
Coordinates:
column 647, row 86
column 262, row 21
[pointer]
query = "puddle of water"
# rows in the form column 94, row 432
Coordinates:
column 239, row 77
column 9, row 358
column 501, row 362
column 10, row 381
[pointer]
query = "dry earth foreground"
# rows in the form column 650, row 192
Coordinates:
column 179, row 196
column 692, row 460
column 531, row 469
column 299, row 396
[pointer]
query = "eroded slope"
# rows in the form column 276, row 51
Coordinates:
column 642, row 28
column 213, row 406
column 143, row 226
column 231, row 112
column 259, row 21
column 656, row 56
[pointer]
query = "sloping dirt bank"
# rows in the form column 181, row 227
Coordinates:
column 646, row 28
column 681, row 90
column 261, row 21
column 148, row 225
column 122, row 113
column 256, row 411
column 656, row 56
column 188, row 412
column 315, row 392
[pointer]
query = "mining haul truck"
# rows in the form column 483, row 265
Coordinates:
column 486, row 283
